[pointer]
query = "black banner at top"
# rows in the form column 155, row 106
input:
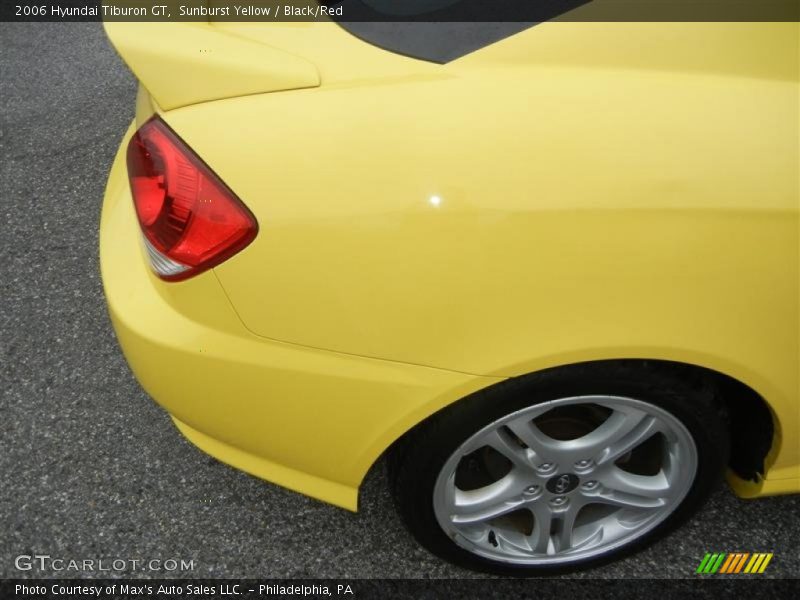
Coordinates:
column 400, row 10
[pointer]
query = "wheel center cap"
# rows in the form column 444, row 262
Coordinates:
column 562, row 484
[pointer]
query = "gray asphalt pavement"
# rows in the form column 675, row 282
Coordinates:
column 91, row 468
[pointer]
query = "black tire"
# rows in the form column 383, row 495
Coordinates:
column 415, row 462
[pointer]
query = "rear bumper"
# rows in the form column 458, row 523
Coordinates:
column 310, row 420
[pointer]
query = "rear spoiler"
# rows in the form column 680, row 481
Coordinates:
column 188, row 63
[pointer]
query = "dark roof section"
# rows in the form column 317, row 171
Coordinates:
column 443, row 30
column 434, row 42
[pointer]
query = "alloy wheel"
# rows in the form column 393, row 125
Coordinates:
column 565, row 480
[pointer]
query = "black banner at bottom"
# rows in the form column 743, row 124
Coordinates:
column 250, row 589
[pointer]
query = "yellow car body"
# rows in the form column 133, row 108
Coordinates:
column 576, row 192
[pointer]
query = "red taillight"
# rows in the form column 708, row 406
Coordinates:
column 191, row 221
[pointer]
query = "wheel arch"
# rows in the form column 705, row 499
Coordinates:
column 752, row 424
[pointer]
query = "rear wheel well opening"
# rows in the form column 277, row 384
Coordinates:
column 750, row 424
column 749, row 419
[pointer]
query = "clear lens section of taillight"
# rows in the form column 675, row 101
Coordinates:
column 190, row 219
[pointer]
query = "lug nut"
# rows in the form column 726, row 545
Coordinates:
column 582, row 464
column 545, row 466
column 590, row 485
column 558, row 501
column 531, row 490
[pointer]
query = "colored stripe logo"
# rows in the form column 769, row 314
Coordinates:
column 734, row 562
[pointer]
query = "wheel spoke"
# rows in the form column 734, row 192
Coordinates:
column 623, row 489
column 489, row 502
column 502, row 442
column 622, row 432
column 564, row 539
column 542, row 446
column 540, row 539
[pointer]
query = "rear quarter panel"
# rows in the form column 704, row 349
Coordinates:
column 585, row 211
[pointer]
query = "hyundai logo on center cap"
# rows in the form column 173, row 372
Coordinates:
column 561, row 484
